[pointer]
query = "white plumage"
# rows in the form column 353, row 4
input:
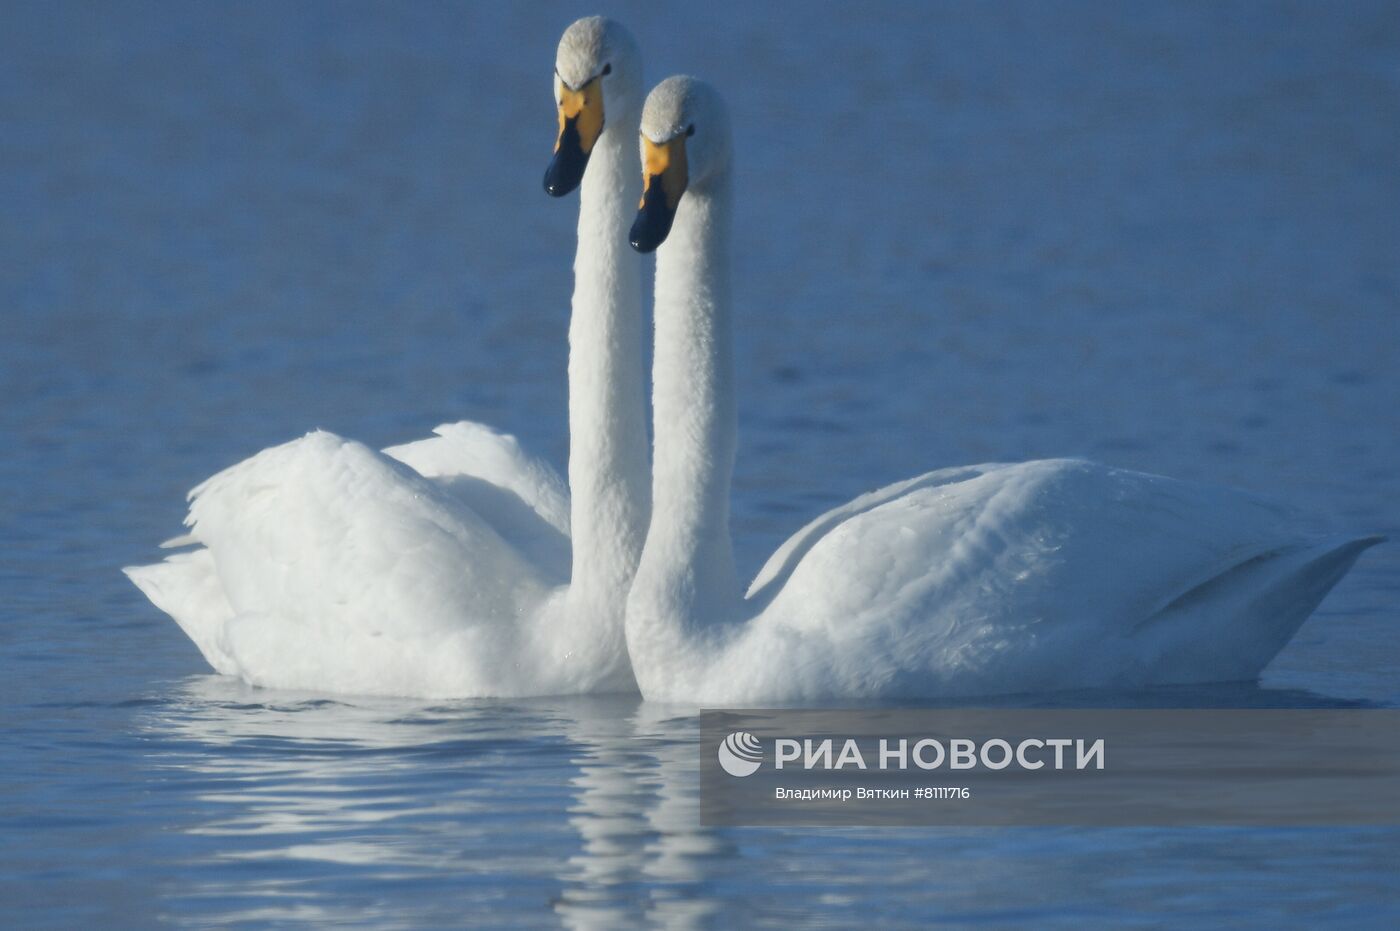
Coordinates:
column 1028, row 577
column 351, row 572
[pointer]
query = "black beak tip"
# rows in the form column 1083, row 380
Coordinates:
column 652, row 226
column 558, row 184
column 646, row 234
column 565, row 171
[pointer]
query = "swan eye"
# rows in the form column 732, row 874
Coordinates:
column 690, row 130
column 607, row 69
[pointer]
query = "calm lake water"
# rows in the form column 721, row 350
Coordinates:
column 1161, row 236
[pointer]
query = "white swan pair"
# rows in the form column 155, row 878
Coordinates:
column 439, row 568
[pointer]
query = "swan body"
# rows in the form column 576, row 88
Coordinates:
column 341, row 569
column 457, row 565
column 969, row 581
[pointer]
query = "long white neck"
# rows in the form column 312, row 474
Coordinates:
column 685, row 589
column 608, row 476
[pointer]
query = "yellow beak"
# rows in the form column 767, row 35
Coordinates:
column 664, row 163
column 664, row 179
column 580, row 125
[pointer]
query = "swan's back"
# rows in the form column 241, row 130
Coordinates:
column 1044, row 575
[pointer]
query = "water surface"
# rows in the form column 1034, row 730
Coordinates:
column 1163, row 237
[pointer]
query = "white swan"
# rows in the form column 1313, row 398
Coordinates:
column 442, row 567
column 978, row 580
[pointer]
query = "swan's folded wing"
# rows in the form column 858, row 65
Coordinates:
column 472, row 449
column 329, row 534
column 1105, row 534
column 776, row 571
column 519, row 495
column 1054, row 573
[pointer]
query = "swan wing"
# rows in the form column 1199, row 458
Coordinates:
column 342, row 569
column 1049, row 574
column 324, row 521
column 485, row 472
column 779, row 567
column 521, row 496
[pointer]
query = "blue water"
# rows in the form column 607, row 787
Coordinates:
column 1158, row 235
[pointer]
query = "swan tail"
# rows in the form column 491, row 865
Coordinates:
column 186, row 587
column 1231, row 626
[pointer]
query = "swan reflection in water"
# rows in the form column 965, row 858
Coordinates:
column 585, row 805
column 291, row 806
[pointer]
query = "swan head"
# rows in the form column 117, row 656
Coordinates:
column 685, row 144
column 597, row 63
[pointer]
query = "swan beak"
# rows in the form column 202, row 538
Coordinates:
column 664, row 178
column 580, row 125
